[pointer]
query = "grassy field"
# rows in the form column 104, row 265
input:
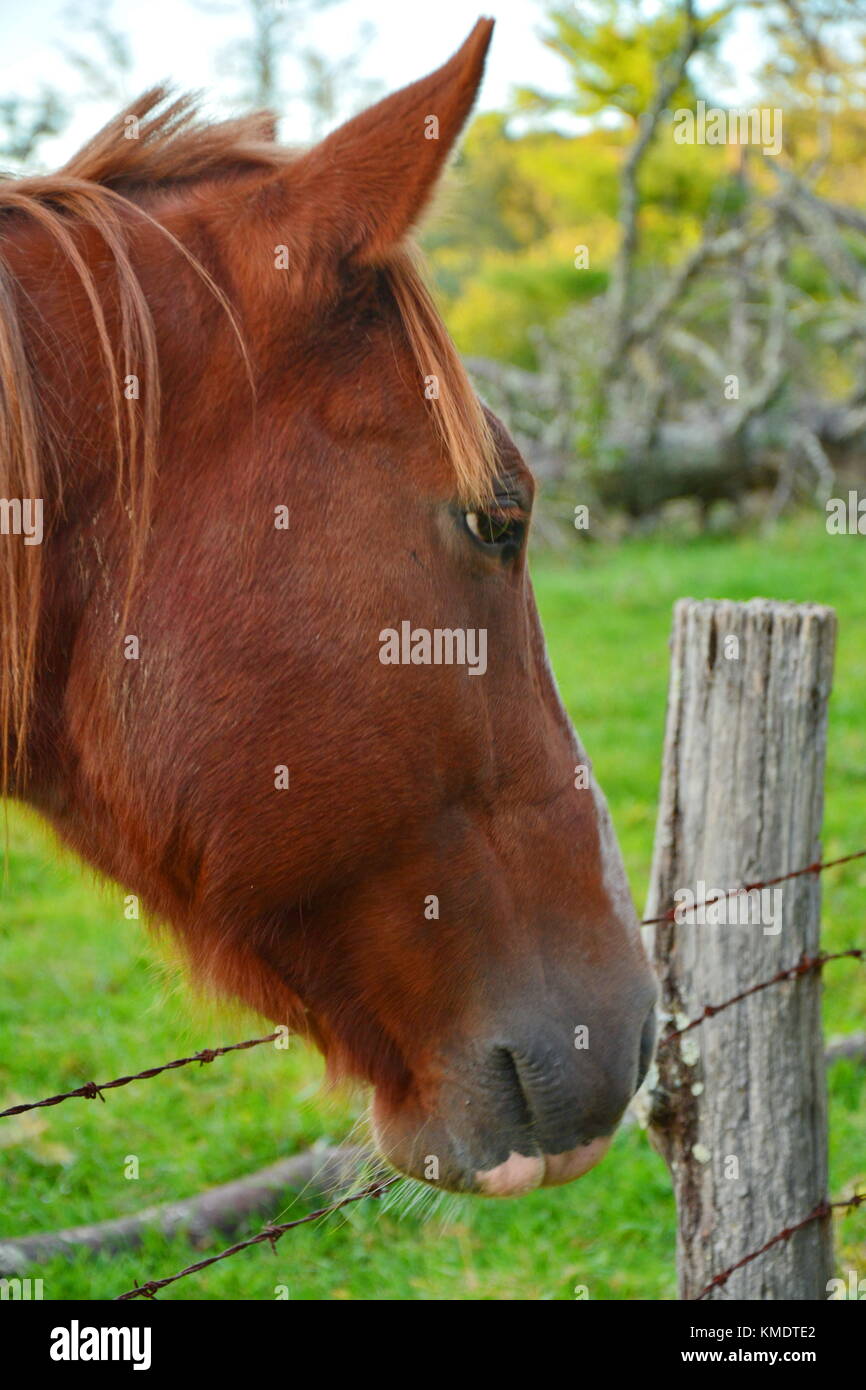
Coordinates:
column 86, row 994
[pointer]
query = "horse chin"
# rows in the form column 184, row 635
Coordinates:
column 424, row 1149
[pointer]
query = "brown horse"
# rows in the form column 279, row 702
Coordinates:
column 275, row 664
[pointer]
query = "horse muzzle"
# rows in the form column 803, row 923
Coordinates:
column 528, row 1110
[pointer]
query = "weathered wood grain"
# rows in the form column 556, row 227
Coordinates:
column 738, row 1106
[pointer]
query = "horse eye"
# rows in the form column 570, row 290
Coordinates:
column 496, row 529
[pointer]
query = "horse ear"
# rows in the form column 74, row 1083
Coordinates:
column 370, row 179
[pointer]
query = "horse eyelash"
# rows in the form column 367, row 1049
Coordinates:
column 511, row 526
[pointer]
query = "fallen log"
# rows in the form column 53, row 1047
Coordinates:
column 223, row 1209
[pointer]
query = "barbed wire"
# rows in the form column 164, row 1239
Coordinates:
column 823, row 1209
column 91, row 1090
column 803, row 966
column 271, row 1233
column 818, row 867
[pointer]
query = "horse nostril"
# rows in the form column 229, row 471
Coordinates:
column 556, row 1098
column 647, row 1046
column 514, row 1088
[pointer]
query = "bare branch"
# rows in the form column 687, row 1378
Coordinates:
column 620, row 292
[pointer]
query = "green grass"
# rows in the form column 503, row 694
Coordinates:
column 86, row 994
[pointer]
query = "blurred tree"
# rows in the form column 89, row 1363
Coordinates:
column 614, row 50
column 257, row 58
column 538, row 194
column 728, row 352
column 332, row 85
column 26, row 121
column 101, row 58
column 102, row 54
column 322, row 86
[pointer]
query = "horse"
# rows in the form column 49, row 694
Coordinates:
column 273, row 662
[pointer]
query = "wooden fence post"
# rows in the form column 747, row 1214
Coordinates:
column 738, row 1106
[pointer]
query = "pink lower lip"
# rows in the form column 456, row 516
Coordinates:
column 562, row 1168
column 521, row 1173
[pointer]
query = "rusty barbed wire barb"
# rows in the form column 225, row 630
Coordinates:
column 270, row 1233
column 91, row 1090
column 823, row 1209
column 816, row 868
column 803, row 966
